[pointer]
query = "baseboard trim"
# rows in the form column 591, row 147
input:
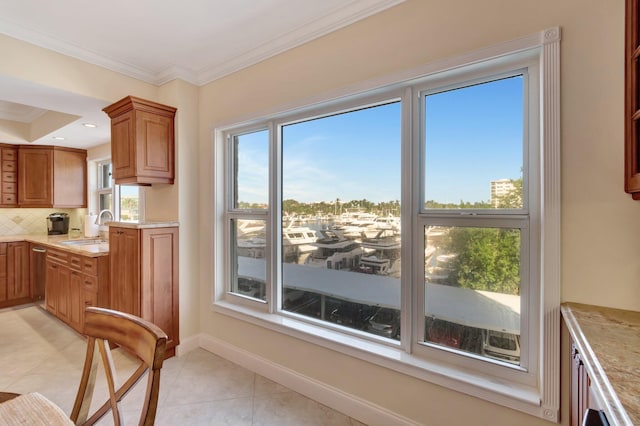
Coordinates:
column 350, row 405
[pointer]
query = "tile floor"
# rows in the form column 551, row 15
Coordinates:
column 38, row 353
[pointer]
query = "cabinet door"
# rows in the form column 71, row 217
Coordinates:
column 160, row 280
column 51, row 287
column 63, row 291
column 90, row 298
column 35, row 185
column 69, row 179
column 123, row 152
column 124, row 250
column 17, row 270
column 154, row 146
column 76, row 299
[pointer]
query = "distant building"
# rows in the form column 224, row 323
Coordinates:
column 500, row 188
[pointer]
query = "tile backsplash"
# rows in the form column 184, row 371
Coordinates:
column 34, row 221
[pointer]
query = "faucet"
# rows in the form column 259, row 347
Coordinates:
column 99, row 218
column 103, row 230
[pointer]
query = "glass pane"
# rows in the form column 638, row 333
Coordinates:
column 129, row 203
column 474, row 146
column 251, row 153
column 248, row 263
column 106, row 202
column 104, row 175
column 472, row 290
column 341, row 219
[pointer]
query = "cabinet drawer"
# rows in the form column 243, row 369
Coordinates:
column 75, row 262
column 90, row 265
column 57, row 256
column 8, row 166
column 9, row 198
column 9, row 154
column 9, row 177
column 9, row 188
column 89, row 283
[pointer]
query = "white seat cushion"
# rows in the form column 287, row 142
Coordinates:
column 32, row 409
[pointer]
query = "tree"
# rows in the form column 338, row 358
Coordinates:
column 487, row 259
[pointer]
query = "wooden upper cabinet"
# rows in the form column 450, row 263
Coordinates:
column 52, row 177
column 632, row 101
column 8, row 176
column 142, row 141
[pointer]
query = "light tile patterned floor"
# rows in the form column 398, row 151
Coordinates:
column 39, row 353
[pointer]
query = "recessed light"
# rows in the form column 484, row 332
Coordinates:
column 90, row 125
column 58, row 138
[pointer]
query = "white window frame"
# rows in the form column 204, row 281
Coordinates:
column 100, row 190
column 114, row 190
column 533, row 389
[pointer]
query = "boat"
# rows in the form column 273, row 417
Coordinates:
column 334, row 251
column 387, row 223
column 356, row 217
column 381, row 254
column 296, row 242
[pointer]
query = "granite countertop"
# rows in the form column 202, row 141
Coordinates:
column 91, row 250
column 609, row 341
column 54, row 241
column 143, row 225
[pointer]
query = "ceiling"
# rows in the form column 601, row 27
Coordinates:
column 155, row 41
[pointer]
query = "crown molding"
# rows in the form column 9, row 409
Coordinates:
column 299, row 36
column 307, row 31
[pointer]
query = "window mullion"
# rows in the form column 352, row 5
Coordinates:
column 274, row 229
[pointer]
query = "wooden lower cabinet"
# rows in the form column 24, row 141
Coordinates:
column 14, row 273
column 584, row 401
column 74, row 282
column 144, row 276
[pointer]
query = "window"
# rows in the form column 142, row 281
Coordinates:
column 105, row 186
column 476, row 232
column 128, row 206
column 406, row 220
column 339, row 172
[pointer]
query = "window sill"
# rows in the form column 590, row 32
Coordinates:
column 499, row 391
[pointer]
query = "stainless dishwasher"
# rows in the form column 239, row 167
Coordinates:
column 38, row 270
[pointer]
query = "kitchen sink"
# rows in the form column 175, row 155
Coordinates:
column 83, row 242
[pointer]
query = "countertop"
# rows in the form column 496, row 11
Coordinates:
column 609, row 341
column 54, row 241
column 91, row 250
column 143, row 225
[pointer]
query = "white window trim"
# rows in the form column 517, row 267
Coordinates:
column 543, row 399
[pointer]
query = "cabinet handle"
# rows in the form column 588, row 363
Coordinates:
column 39, row 250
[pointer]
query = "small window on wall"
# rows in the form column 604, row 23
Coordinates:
column 128, row 205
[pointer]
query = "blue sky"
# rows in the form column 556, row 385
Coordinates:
column 473, row 136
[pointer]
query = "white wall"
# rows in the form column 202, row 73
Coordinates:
column 600, row 222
